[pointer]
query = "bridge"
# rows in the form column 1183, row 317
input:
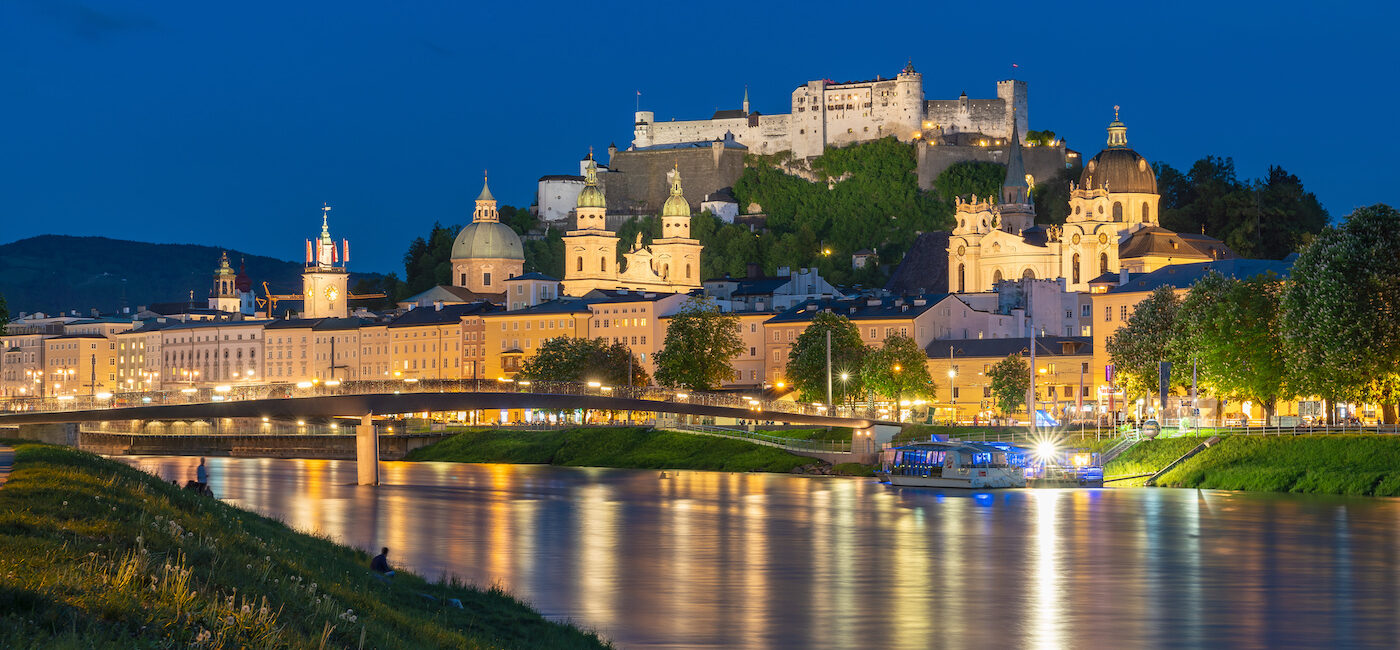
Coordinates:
column 365, row 400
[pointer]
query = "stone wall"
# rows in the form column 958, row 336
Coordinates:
column 1042, row 163
column 639, row 185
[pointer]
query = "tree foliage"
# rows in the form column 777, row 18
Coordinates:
column 865, row 196
column 1009, row 380
column 806, row 366
column 701, row 343
column 898, row 370
column 1266, row 218
column 428, row 261
column 565, row 358
column 970, row 179
column 4, row 315
column 1341, row 310
column 1231, row 329
column 1040, row 138
column 1051, row 196
column 1137, row 347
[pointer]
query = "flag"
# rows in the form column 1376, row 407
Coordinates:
column 1015, row 65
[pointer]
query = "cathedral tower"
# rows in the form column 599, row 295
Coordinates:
column 324, row 280
column 224, row 295
column 590, row 250
column 486, row 252
column 1017, row 212
column 675, row 256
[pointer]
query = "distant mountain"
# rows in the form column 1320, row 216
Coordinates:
column 52, row 273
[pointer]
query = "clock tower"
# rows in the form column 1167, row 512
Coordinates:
column 324, row 279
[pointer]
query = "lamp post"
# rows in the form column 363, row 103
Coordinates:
column 844, row 377
column 897, row 415
column 952, row 394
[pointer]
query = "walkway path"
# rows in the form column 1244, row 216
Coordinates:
column 7, row 458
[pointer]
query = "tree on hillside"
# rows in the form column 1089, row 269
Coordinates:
column 898, row 370
column 1288, row 215
column 727, row 248
column 1051, row 196
column 1040, row 138
column 545, row 255
column 1341, row 311
column 970, row 179
column 428, row 262
column 521, row 220
column 701, row 343
column 806, row 366
column 1231, row 329
column 566, row 358
column 4, row 315
column 1266, row 218
column 1138, row 347
column 1009, row 380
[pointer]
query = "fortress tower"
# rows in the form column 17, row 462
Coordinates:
column 324, row 280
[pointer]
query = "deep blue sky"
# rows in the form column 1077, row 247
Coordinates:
column 229, row 124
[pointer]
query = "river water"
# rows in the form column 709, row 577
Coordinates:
column 711, row 559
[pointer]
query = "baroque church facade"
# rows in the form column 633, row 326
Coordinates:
column 670, row 264
column 1113, row 226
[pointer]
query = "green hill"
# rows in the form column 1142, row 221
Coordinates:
column 52, row 273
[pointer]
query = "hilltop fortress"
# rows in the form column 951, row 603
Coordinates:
column 829, row 114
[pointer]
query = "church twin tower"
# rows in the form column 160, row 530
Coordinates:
column 671, row 264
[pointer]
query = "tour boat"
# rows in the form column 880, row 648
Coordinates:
column 972, row 465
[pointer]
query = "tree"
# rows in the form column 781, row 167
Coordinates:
column 1341, row 311
column 1040, row 138
column 1051, row 196
column 1231, row 329
column 806, row 366
column 1266, row 218
column 4, row 315
column 970, row 179
column 1138, row 347
column 899, row 370
column 1010, row 380
column 701, row 343
column 566, row 358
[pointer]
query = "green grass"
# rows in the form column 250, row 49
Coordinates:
column 633, row 447
column 852, row 469
column 834, row 434
column 1330, row 464
column 94, row 553
column 1149, row 456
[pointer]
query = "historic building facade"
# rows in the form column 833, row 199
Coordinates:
column 324, row 280
column 486, row 252
column 1112, row 226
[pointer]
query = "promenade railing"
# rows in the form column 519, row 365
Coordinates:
column 757, row 405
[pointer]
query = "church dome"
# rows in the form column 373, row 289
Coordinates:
column 1119, row 170
column 487, row 240
column 591, row 197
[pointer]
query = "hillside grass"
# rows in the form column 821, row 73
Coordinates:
column 1148, row 456
column 624, row 447
column 832, row 434
column 94, row 553
column 1366, row 465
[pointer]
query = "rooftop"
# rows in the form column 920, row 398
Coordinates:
column 1053, row 346
column 862, row 308
column 1182, row 276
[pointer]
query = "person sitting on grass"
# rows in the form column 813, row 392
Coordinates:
column 380, row 563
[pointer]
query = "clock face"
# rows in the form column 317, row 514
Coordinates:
column 1103, row 238
column 1076, row 238
column 332, row 293
column 962, row 250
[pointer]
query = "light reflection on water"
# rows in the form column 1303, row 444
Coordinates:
column 765, row 561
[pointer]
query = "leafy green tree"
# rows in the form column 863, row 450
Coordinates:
column 1266, row 218
column 1231, row 329
column 1341, row 309
column 428, row 261
column 969, row 179
column 1040, row 138
column 806, row 366
column 566, row 358
column 1137, row 347
column 4, row 315
column 545, row 255
column 1288, row 215
column 898, row 370
column 521, row 220
column 1051, row 196
column 1009, row 380
column 701, row 343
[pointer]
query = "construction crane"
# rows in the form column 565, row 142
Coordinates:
column 269, row 302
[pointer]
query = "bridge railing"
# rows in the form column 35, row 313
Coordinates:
column 841, row 446
column 243, row 392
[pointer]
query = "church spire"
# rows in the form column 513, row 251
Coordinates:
column 1117, row 132
column 746, row 99
column 485, row 203
column 1015, row 189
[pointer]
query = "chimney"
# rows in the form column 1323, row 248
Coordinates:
column 437, row 305
column 1122, row 276
column 751, row 270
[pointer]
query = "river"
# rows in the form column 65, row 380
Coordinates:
column 712, row 559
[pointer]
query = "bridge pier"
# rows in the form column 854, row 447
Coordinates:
column 367, row 452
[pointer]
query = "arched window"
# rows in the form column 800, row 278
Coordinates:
column 996, row 276
column 961, row 286
column 1117, row 211
column 464, row 280
column 1028, row 274
column 1103, row 263
column 1145, row 211
column 1074, row 268
column 580, row 267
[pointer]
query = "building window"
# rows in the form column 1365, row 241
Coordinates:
column 464, row 280
column 1117, row 211
column 1123, row 312
column 961, row 286
column 1107, row 313
column 486, row 278
column 1074, row 268
column 1103, row 263
column 580, row 263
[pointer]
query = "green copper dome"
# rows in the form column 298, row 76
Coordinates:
column 591, row 196
column 676, row 205
column 487, row 240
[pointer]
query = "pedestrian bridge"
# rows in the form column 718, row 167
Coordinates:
column 357, row 399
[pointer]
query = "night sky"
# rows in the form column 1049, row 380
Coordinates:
column 229, row 124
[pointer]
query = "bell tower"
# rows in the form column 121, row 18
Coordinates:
column 590, row 250
column 224, row 295
column 325, row 278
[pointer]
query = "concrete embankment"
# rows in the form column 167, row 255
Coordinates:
column 329, row 447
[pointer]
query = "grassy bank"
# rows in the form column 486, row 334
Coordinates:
column 633, row 447
column 94, row 553
column 1333, row 464
column 833, row 434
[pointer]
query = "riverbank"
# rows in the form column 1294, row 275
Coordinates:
column 621, row 447
column 1364, row 465
column 94, row 553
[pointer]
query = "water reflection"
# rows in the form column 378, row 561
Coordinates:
column 765, row 561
